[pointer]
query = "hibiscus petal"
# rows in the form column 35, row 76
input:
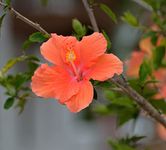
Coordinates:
column 163, row 90
column 134, row 63
column 161, row 130
column 54, row 82
column 82, row 99
column 146, row 46
column 52, row 49
column 91, row 47
column 107, row 65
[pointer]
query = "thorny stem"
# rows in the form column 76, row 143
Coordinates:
column 122, row 83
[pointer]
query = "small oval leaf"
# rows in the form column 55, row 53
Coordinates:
column 9, row 103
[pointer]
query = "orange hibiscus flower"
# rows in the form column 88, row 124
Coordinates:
column 161, row 130
column 136, row 59
column 133, row 65
column 74, row 64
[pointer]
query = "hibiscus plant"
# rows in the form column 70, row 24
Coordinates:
column 81, row 62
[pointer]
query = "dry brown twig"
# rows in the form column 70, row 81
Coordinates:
column 117, row 80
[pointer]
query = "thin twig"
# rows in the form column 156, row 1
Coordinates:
column 24, row 19
column 91, row 15
column 123, row 84
column 140, row 100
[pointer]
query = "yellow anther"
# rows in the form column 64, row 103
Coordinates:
column 70, row 56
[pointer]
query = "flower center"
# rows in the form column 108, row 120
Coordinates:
column 70, row 56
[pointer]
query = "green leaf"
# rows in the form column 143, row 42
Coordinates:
column 121, row 106
column 104, row 84
column 108, row 11
column 144, row 71
column 101, row 109
column 154, row 39
column 11, row 62
column 159, row 105
column 9, row 103
column 110, row 94
column 127, row 114
column 130, row 19
column 149, row 34
column 153, row 3
column 120, row 146
column 31, row 69
column 123, row 101
column 1, row 19
column 32, row 58
column 8, row 2
column 10, row 90
column 158, row 55
column 22, row 102
column 26, row 44
column 38, row 37
column 108, row 39
column 78, row 28
column 142, row 88
column 123, row 113
column 19, row 79
column 131, row 140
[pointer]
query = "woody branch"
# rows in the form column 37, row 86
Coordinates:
column 122, row 83
column 117, row 80
column 24, row 19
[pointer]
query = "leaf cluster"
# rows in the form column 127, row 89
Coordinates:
column 118, row 104
column 128, row 143
column 16, row 85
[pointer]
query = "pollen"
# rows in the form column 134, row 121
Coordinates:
column 70, row 56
